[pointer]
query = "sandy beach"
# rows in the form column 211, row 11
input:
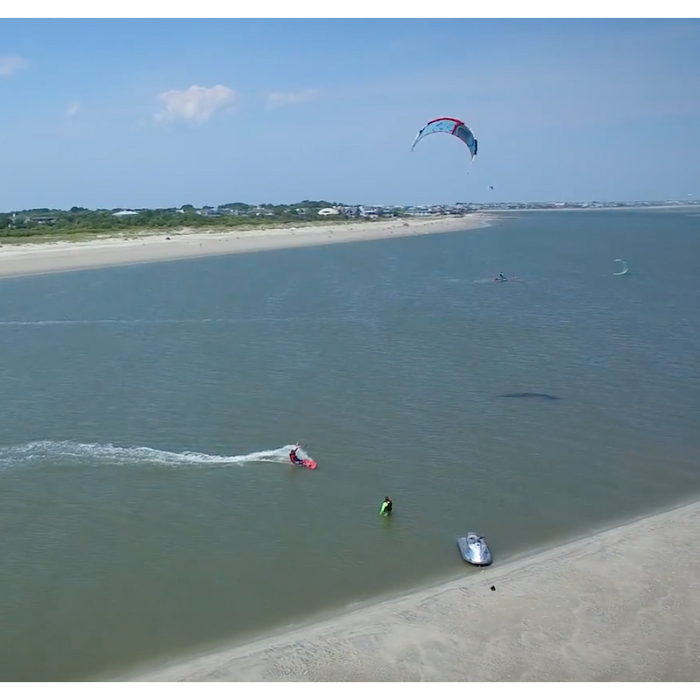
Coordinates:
column 134, row 248
column 622, row 605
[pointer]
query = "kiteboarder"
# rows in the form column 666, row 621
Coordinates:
column 293, row 456
column 500, row 274
column 386, row 506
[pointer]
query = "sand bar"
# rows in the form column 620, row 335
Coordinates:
column 623, row 605
column 41, row 258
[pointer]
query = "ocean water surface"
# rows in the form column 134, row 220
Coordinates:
column 147, row 505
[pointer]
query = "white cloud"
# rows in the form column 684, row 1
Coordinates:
column 11, row 64
column 281, row 99
column 195, row 105
column 72, row 109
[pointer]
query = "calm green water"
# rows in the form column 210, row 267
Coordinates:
column 133, row 527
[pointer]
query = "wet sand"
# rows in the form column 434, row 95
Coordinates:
column 622, row 605
column 134, row 248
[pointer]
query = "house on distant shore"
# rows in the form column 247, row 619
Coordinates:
column 44, row 220
column 328, row 211
column 125, row 212
column 370, row 212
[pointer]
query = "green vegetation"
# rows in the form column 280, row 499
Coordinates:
column 81, row 223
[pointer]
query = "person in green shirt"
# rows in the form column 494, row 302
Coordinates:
column 386, row 507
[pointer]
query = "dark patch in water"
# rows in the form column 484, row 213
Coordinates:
column 527, row 395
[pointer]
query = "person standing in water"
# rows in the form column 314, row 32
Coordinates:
column 386, row 506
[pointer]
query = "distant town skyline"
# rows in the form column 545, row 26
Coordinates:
column 270, row 110
column 325, row 208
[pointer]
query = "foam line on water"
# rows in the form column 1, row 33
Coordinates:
column 78, row 452
column 165, row 321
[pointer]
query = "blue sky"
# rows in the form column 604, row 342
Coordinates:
column 150, row 113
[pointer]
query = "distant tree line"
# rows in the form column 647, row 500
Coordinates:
column 81, row 220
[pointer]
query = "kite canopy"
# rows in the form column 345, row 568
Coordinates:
column 453, row 127
column 625, row 267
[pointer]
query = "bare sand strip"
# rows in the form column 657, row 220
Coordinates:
column 31, row 259
column 623, row 605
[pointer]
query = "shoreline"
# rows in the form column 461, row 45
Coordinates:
column 655, row 207
column 122, row 248
column 28, row 258
column 593, row 609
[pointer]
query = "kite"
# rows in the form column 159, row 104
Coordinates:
column 453, row 127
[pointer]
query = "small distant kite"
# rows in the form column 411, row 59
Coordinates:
column 450, row 126
column 625, row 267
